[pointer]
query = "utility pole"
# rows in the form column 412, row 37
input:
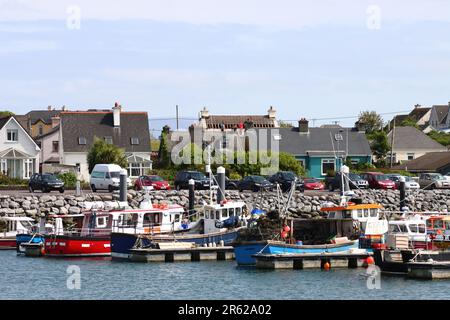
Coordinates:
column 392, row 142
column 177, row 115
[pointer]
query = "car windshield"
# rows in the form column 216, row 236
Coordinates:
column 381, row 177
column 311, row 180
column 436, row 176
column 115, row 174
column 48, row 177
column 288, row 175
column 394, row 178
column 354, row 176
column 198, row 176
column 408, row 179
column 258, row 179
column 155, row 178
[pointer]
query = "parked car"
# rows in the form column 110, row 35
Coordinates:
column 45, row 182
column 254, row 183
column 433, row 181
column 378, row 180
column 151, row 182
column 447, row 176
column 409, row 182
column 313, row 184
column 229, row 183
column 106, row 177
column 355, row 182
column 285, row 179
column 182, row 180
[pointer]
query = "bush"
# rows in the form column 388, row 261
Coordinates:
column 69, row 179
column 7, row 181
column 235, row 176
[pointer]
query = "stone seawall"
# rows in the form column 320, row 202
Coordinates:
column 301, row 206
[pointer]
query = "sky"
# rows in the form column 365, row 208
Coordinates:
column 314, row 59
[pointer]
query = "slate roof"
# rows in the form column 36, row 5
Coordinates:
column 3, row 121
column 442, row 113
column 319, row 141
column 90, row 124
column 431, row 162
column 214, row 121
column 409, row 138
column 418, row 113
column 44, row 115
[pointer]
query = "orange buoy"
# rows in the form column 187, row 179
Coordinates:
column 287, row 228
column 370, row 260
column 284, row 234
column 327, row 266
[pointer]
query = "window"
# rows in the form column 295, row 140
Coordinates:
column 134, row 140
column 277, row 137
column 55, row 146
column 354, row 161
column 108, row 140
column 327, row 165
column 12, row 135
column 135, row 169
column 29, row 168
column 224, row 213
column 373, row 213
column 413, row 228
column 410, row 156
column 77, row 165
column 41, row 129
column 82, row 140
column 224, row 142
column 302, row 162
column 97, row 175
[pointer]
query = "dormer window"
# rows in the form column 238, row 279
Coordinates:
column 134, row 140
column 108, row 140
column 81, row 140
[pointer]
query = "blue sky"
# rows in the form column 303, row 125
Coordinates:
column 313, row 59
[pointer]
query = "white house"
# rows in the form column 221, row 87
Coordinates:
column 19, row 154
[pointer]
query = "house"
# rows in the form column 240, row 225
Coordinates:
column 439, row 118
column 420, row 116
column 19, row 154
column 128, row 130
column 430, row 162
column 40, row 122
column 408, row 143
column 321, row 150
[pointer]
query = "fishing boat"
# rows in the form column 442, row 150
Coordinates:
column 217, row 224
column 14, row 226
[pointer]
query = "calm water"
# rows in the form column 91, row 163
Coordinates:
column 45, row 278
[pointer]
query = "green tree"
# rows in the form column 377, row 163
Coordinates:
column 371, row 120
column 163, row 154
column 103, row 152
column 441, row 137
column 289, row 163
column 6, row 113
column 408, row 122
column 379, row 145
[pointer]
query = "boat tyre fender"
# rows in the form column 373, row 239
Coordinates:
column 218, row 224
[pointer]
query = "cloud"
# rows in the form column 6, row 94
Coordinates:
column 265, row 13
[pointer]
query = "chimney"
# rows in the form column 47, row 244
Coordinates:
column 116, row 114
column 49, row 108
column 303, row 125
column 204, row 113
column 272, row 113
column 55, row 121
column 360, row 126
column 64, row 108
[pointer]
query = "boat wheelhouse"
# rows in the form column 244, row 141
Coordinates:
column 12, row 226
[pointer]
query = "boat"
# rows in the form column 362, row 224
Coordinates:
column 14, row 226
column 246, row 251
column 216, row 224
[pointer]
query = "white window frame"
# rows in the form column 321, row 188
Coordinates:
column 302, row 162
column 410, row 154
column 28, row 168
column 16, row 131
column 4, row 166
column 329, row 160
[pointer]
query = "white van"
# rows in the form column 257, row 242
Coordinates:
column 106, row 177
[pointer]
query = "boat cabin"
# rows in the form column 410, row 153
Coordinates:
column 15, row 225
column 221, row 212
column 359, row 212
column 416, row 228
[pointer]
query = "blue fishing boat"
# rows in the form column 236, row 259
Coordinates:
column 244, row 251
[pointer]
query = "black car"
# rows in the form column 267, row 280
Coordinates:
column 45, row 182
column 355, row 182
column 254, row 183
column 182, row 180
column 229, row 184
column 285, row 179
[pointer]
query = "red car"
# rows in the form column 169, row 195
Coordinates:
column 154, row 181
column 378, row 180
column 313, row 184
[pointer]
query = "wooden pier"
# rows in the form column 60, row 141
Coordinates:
column 311, row 261
column 182, row 254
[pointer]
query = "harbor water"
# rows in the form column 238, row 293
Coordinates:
column 47, row 278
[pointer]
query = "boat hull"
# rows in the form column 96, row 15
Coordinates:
column 67, row 246
column 27, row 238
column 8, row 243
column 245, row 251
column 122, row 243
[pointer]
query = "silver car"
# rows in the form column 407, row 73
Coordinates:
column 433, row 181
column 409, row 182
